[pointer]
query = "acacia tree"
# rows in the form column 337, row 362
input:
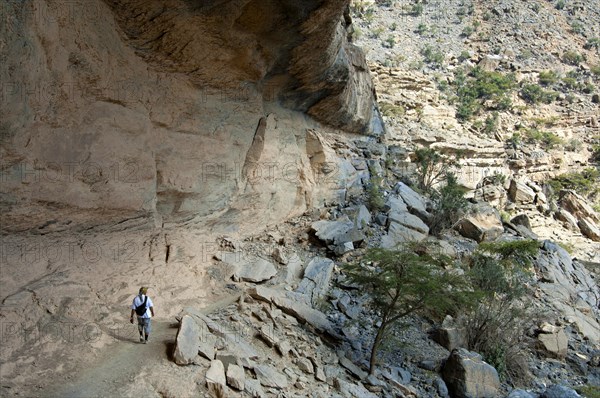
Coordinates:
column 411, row 279
column 432, row 167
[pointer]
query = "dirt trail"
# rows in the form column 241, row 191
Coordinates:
column 122, row 361
column 119, row 364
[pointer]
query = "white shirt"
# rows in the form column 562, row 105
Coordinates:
column 139, row 300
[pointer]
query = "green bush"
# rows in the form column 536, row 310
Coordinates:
column 589, row 391
column 572, row 58
column 585, row 183
column 464, row 55
column 375, row 198
column 481, row 86
column 499, row 271
column 421, row 28
column 433, row 56
column 560, row 4
column 593, row 42
column 576, row 27
column 534, row 94
column 544, row 138
column 491, row 123
column 432, row 167
column 416, row 9
column 449, row 205
column 595, row 70
column 547, row 78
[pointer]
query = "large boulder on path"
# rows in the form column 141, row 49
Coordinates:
column 186, row 341
column 468, row 376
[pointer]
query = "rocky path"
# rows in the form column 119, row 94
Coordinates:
column 119, row 364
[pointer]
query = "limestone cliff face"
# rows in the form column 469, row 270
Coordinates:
column 157, row 106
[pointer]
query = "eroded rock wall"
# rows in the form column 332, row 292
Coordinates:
column 156, row 106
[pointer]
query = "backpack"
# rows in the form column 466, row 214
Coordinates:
column 140, row 310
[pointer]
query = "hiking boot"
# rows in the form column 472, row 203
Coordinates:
column 145, row 341
column 141, row 339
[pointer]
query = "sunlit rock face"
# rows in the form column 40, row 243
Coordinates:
column 175, row 109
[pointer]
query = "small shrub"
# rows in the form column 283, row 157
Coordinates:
column 467, row 31
column 589, row 391
column 585, row 183
column 576, row 27
column 570, row 83
column 421, row 28
column 416, row 10
column 391, row 110
column 464, row 55
column 593, row 42
column 595, row 70
column 560, row 4
column 572, row 58
column 376, row 33
column 547, row 78
column 515, row 140
column 491, row 123
column 375, row 199
column 389, row 42
column 449, row 205
column 394, row 26
column 574, row 145
column 534, row 94
column 432, row 56
column 546, row 139
column 432, row 167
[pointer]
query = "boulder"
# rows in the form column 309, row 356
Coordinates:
column 577, row 206
column 415, row 203
column 362, row 217
column 352, row 368
column 483, row 223
column 398, row 233
column 216, row 374
column 567, row 218
column 589, row 229
column 556, row 391
column 233, row 340
column 395, row 204
column 305, row 365
column 495, row 195
column 270, row 377
column 409, row 220
column 254, row 270
column 352, row 390
column 236, row 377
column 317, row 276
column 520, row 394
column 520, row 193
column 253, row 388
column 331, row 231
column 186, row 341
column 267, row 334
column 450, row 337
column 554, row 343
column 296, row 308
column 521, row 219
column 468, row 376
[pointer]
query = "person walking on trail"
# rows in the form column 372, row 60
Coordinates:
column 144, row 309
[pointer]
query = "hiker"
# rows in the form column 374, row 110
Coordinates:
column 143, row 307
